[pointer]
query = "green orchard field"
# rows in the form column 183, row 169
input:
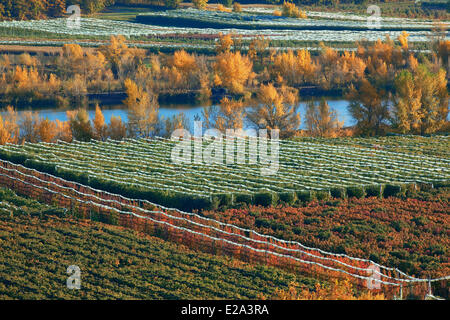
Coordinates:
column 38, row 243
column 306, row 169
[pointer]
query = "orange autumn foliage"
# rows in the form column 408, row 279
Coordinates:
column 9, row 129
column 337, row 290
column 224, row 43
column 63, row 131
column 228, row 115
column 276, row 109
column 233, row 70
column 46, row 130
column 292, row 11
column 294, row 68
column 99, row 124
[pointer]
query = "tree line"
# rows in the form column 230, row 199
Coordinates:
column 41, row 9
column 390, row 87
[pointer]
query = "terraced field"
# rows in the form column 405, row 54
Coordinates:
column 205, row 234
column 179, row 25
column 277, row 244
column 438, row 146
column 265, row 20
column 145, row 169
column 409, row 233
column 115, row 263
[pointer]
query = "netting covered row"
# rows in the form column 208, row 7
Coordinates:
column 197, row 232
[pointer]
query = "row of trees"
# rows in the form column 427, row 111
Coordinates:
column 41, row 9
column 389, row 86
column 30, row 127
column 273, row 108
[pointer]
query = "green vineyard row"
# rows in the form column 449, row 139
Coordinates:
column 143, row 169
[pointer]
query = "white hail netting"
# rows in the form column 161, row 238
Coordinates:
column 401, row 281
column 325, row 167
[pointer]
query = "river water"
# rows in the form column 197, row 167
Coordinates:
column 190, row 111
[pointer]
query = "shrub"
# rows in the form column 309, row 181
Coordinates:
column 113, row 218
column 243, row 198
column 441, row 184
column 305, row 196
column 292, row 11
column 186, row 202
column 227, row 3
column 237, row 7
column 338, row 193
column 264, row 199
column 261, row 222
column 66, row 174
column 40, row 166
column 423, row 186
column 374, row 190
column 287, row 197
column 96, row 183
column 200, row 4
column 221, row 7
column 223, row 200
column 322, row 195
column 172, row 4
column 410, row 188
column 13, row 157
column 357, row 192
column 266, row 223
column 392, row 190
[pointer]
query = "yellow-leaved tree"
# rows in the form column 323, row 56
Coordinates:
column 369, row 107
column 142, row 110
column 179, row 121
column 421, row 100
column 276, row 109
column 229, row 114
column 292, row 11
column 46, row 130
column 80, row 125
column 200, row 4
column 26, row 78
column 182, row 71
column 5, row 135
column 117, row 130
column 9, row 127
column 63, row 131
column 258, row 48
column 27, row 124
column 403, row 39
column 294, row 68
column 322, row 121
column 224, row 43
column 100, row 128
column 123, row 60
column 233, row 71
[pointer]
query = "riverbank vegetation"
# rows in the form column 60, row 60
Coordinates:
column 390, row 87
